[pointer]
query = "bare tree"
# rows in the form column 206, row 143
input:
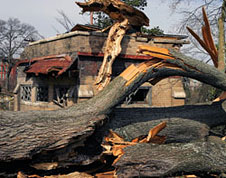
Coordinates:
column 64, row 20
column 193, row 17
column 14, row 36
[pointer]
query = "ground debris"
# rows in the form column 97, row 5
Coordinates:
column 110, row 174
column 71, row 175
column 114, row 143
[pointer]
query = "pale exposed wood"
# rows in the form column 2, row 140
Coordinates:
column 152, row 51
column 153, row 132
column 221, row 97
column 125, row 16
column 207, row 43
column 45, row 166
column 221, row 44
column 112, row 50
column 65, row 135
column 71, row 175
column 58, row 104
column 110, row 174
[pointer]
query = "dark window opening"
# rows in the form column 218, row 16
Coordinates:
column 61, row 94
column 141, row 96
column 42, row 93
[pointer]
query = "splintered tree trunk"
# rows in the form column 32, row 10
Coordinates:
column 67, row 137
column 221, row 39
column 125, row 16
column 112, row 50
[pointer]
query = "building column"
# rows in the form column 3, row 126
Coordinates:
column 33, row 94
column 50, row 93
column 17, row 98
column 17, row 102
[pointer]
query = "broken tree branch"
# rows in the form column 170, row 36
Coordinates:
column 112, row 50
column 125, row 17
column 117, row 10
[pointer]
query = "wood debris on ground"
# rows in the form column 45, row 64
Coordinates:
column 110, row 174
column 71, row 175
column 115, row 143
column 194, row 176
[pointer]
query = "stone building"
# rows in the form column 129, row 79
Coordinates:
column 60, row 71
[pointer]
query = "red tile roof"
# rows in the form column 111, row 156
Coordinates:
column 47, row 64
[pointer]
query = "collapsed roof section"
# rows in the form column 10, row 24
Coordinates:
column 54, row 64
column 59, row 64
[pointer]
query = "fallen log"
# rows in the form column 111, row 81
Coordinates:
column 197, row 158
column 70, row 136
column 184, row 123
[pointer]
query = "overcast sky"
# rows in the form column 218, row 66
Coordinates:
column 42, row 13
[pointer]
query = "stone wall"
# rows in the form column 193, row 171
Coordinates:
column 93, row 42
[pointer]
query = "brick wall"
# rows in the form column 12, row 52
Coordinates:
column 94, row 42
column 162, row 93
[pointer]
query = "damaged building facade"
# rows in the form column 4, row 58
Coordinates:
column 60, row 71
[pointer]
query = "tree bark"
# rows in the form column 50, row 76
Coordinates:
column 221, row 38
column 117, row 10
column 197, row 158
column 67, row 136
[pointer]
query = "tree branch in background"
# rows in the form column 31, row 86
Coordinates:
column 191, row 14
column 14, row 36
column 64, row 21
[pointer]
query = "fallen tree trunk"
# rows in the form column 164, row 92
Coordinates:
column 184, row 123
column 65, row 136
column 197, row 158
